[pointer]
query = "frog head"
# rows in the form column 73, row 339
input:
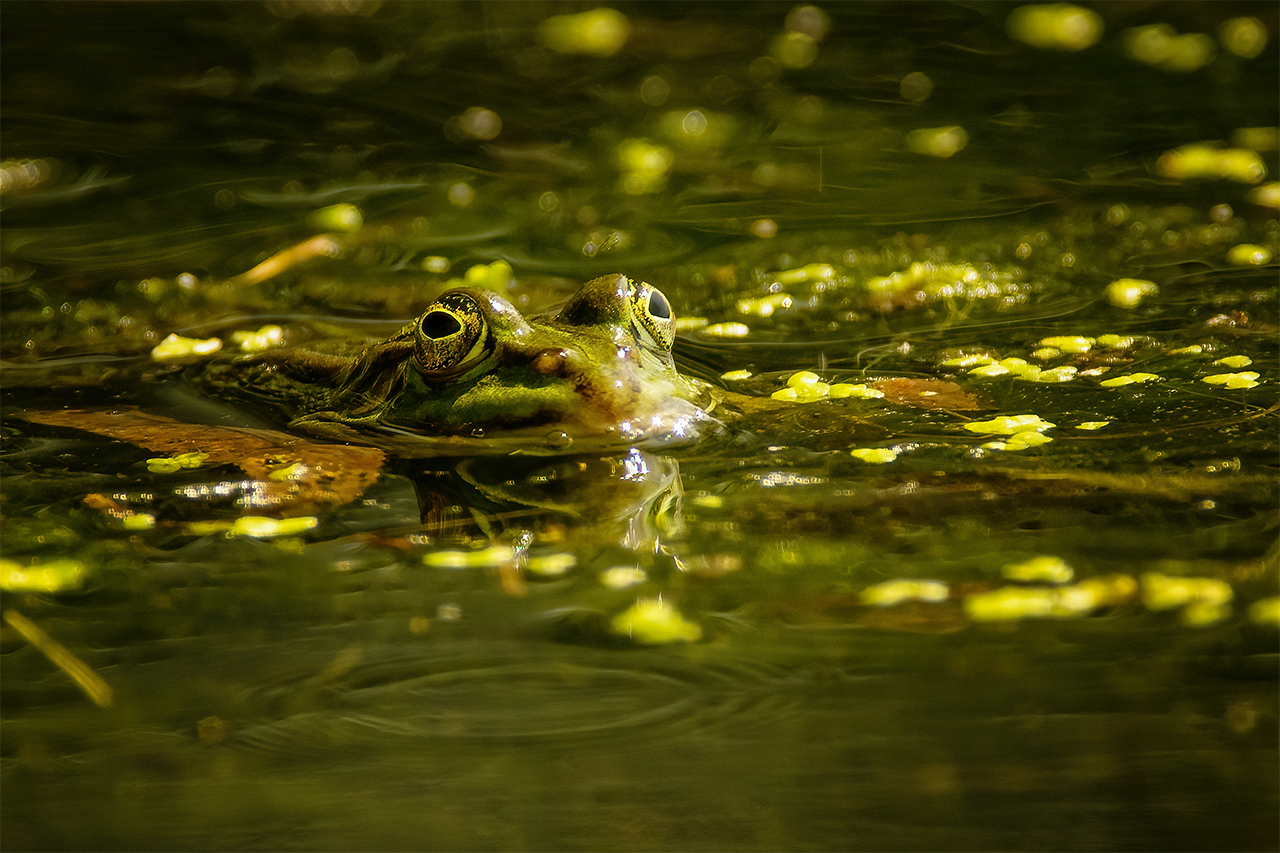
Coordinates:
column 597, row 372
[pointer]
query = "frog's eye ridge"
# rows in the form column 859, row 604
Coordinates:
column 451, row 335
column 652, row 318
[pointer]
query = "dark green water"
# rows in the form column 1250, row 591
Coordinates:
column 355, row 686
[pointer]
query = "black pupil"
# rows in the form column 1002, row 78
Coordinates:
column 440, row 324
column 659, row 306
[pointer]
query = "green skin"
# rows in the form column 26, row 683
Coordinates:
column 473, row 371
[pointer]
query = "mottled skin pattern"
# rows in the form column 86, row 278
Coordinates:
column 598, row 372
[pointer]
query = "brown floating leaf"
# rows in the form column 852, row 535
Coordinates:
column 929, row 394
column 319, row 474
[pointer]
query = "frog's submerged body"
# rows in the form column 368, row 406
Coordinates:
column 472, row 369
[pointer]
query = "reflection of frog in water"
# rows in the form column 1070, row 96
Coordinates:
column 597, row 373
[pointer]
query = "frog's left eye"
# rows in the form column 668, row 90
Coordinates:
column 451, row 335
column 652, row 318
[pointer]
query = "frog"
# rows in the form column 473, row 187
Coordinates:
column 472, row 373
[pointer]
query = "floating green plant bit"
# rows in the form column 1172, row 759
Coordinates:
column 1069, row 343
column 653, row 621
column 1047, row 569
column 874, row 455
column 1245, row 379
column 1267, row 195
column 208, row 528
column 1024, row 440
column 1065, row 373
column 1199, row 614
column 808, row 272
column 1116, row 341
column 764, row 306
column 170, row 464
column 1162, row 592
column 1129, row 292
column 736, row 375
column 621, row 577
column 1265, row 611
column 296, row 471
column 337, row 217
column 1055, row 26
column 551, row 565
column 1009, row 425
column 1199, row 160
column 690, row 324
column 846, row 389
column 904, row 589
column 1247, row 254
column 939, row 142
column 1012, row 603
column 138, row 521
column 1093, row 424
column 977, row 359
column 53, row 576
column 598, row 32
column 1046, row 353
column 496, row 276
column 726, row 330
column 1235, row 361
column 1108, row 590
column 176, row 346
column 264, row 339
column 644, row 166
column 1128, row 379
column 484, row 558
column 1192, row 349
column 263, row 527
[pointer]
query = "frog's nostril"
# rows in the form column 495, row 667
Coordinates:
column 549, row 362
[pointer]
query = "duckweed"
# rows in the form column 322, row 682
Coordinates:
column 337, row 217
column 1265, row 611
column 652, row 621
column 726, row 330
column 736, row 375
column 1244, row 379
column 1129, row 292
column 1235, row 361
column 489, row 557
column 53, row 576
column 621, row 577
column 1009, row 425
column 1241, row 165
column 764, row 306
column 551, row 565
column 939, row 142
column 808, row 272
column 264, row 339
column 1247, row 254
column 1091, row 425
column 1129, row 379
column 1055, row 26
column 263, row 527
column 170, row 464
column 176, row 347
column 1162, row 592
column 1047, row 569
column 1011, row 603
column 1069, row 343
column 874, row 455
column 902, row 589
column 599, row 32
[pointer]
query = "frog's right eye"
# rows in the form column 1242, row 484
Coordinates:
column 452, row 335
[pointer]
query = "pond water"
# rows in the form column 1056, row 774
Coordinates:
column 986, row 559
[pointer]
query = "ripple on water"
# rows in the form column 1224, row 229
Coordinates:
column 538, row 693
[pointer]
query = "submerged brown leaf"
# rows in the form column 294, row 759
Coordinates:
column 929, row 394
column 305, row 473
